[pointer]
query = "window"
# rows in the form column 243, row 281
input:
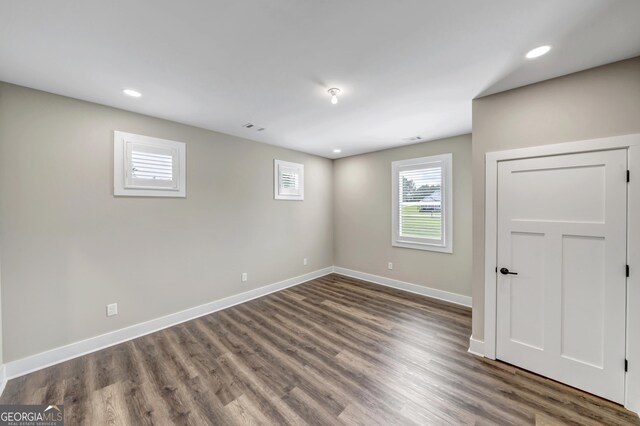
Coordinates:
column 422, row 203
column 288, row 180
column 148, row 167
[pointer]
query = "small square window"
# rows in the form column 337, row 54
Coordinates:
column 288, row 180
column 148, row 167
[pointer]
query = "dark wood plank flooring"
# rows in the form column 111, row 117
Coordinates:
column 331, row 351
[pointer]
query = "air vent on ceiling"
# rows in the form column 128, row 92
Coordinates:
column 253, row 126
column 413, row 139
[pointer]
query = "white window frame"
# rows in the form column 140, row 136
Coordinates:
column 444, row 245
column 278, row 167
column 122, row 186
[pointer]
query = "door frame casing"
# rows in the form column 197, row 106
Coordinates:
column 632, row 144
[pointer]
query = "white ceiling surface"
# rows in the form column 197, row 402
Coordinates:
column 406, row 67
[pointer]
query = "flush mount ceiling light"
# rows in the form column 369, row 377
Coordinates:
column 538, row 51
column 334, row 92
column 337, row 151
column 132, row 93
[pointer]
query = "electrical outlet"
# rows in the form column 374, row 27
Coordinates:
column 390, row 265
column 244, row 277
column 112, row 309
column 304, row 261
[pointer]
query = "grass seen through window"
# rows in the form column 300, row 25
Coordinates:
column 416, row 223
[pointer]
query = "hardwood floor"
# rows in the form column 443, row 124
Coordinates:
column 333, row 350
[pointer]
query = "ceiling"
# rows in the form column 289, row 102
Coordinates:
column 406, row 67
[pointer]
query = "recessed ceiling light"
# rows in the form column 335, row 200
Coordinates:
column 132, row 93
column 538, row 51
column 337, row 151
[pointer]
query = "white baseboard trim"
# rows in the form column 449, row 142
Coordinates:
column 3, row 378
column 42, row 360
column 476, row 347
column 458, row 299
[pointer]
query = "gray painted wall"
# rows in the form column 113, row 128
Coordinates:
column 362, row 218
column 69, row 247
column 599, row 102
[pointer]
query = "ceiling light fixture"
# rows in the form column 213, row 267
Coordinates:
column 132, row 93
column 334, row 92
column 538, row 51
column 337, row 151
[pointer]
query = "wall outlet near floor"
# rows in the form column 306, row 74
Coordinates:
column 112, row 309
column 244, row 277
column 390, row 265
column 304, row 261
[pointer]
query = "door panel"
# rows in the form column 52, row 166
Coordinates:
column 528, row 326
column 583, row 294
column 553, row 203
column 562, row 229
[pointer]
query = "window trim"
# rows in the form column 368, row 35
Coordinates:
column 276, row 180
column 447, row 207
column 120, row 185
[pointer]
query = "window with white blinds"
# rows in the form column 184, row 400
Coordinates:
column 422, row 203
column 146, row 166
column 151, row 166
column 288, row 180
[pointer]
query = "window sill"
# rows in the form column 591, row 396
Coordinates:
column 423, row 246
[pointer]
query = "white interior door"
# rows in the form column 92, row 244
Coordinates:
column 562, row 230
